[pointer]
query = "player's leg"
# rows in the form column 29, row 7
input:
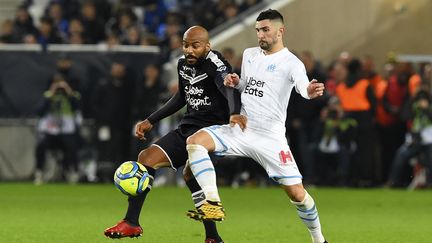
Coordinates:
column 306, row 209
column 198, row 197
column 198, row 146
column 152, row 158
column 218, row 139
column 273, row 153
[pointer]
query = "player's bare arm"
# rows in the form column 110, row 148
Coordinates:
column 141, row 128
column 315, row 89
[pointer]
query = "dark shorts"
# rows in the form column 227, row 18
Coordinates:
column 174, row 144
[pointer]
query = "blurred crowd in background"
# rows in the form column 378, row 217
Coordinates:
column 373, row 126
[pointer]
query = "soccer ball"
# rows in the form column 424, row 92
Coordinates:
column 131, row 178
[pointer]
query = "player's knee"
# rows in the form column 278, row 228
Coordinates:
column 296, row 192
column 193, row 139
column 144, row 158
column 200, row 138
column 200, row 141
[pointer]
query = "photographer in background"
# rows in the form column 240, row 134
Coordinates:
column 58, row 129
column 335, row 143
column 418, row 140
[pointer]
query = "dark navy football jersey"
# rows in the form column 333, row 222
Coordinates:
column 201, row 89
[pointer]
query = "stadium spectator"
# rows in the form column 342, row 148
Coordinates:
column 112, row 40
column 64, row 66
column 383, row 119
column 335, row 136
column 264, row 106
column 230, row 12
column 100, row 18
column 76, row 39
column 392, row 126
column 24, row 24
column 149, row 94
column 94, row 31
column 30, row 39
column 419, row 140
column 207, row 101
column 112, row 101
column 47, row 33
column 133, row 36
column 6, row 32
column 75, row 29
column 60, row 23
column 359, row 103
column 154, row 15
column 169, row 58
column 69, row 8
column 331, row 81
column 58, row 129
column 122, row 22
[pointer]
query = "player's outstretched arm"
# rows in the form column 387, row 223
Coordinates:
column 141, row 128
column 170, row 107
column 315, row 89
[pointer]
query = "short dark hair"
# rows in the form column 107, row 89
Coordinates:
column 270, row 14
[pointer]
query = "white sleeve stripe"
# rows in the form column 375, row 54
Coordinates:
column 215, row 59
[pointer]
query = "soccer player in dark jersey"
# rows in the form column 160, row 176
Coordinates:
column 201, row 74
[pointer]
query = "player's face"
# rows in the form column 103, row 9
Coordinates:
column 194, row 49
column 268, row 33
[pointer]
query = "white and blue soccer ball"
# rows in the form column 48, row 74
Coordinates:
column 131, row 178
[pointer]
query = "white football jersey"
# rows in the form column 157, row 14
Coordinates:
column 266, row 84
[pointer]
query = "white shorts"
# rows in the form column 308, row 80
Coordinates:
column 271, row 151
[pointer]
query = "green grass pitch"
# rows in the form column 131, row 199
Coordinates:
column 64, row 213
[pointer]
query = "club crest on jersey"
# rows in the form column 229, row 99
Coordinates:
column 271, row 68
column 286, row 158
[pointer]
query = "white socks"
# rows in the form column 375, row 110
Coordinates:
column 203, row 170
column 308, row 213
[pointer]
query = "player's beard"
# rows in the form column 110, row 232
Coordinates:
column 267, row 45
column 196, row 59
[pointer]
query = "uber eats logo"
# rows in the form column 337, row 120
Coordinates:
column 254, row 87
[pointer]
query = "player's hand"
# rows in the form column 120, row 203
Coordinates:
column 231, row 80
column 315, row 89
column 141, row 128
column 238, row 119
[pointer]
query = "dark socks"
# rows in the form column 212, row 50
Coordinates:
column 198, row 197
column 136, row 203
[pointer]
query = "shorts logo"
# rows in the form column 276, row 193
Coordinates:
column 285, row 157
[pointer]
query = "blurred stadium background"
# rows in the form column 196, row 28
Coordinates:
column 120, row 55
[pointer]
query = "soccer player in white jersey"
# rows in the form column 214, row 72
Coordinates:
column 269, row 73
